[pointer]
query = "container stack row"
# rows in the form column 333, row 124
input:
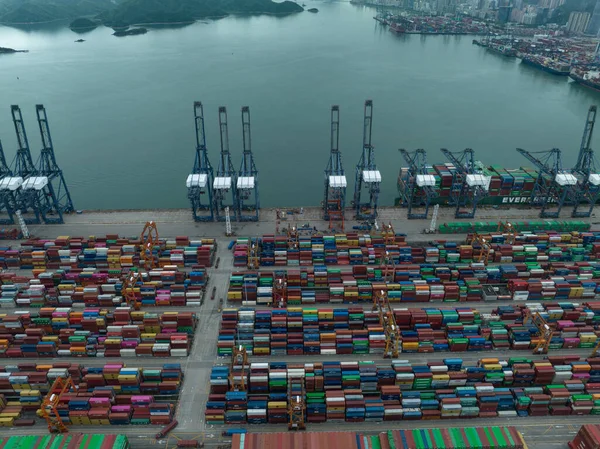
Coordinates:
column 112, row 394
column 54, row 332
column 442, row 438
column 301, row 331
column 365, row 391
column 519, row 226
column 355, row 249
column 161, row 287
column 110, row 252
column 453, row 283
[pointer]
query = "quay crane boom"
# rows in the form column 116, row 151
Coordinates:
column 29, row 199
column 334, row 201
column 367, row 175
column 226, row 178
column 56, row 191
column 8, row 185
column 553, row 184
column 421, row 185
column 248, row 205
column 586, row 171
column 469, row 185
column 200, row 182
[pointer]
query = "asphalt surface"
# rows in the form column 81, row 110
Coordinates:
column 539, row 433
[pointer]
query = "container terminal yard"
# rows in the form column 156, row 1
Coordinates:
column 178, row 328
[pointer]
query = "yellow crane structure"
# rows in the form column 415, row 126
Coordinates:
column 280, row 295
column 149, row 239
column 596, row 350
column 128, row 287
column 545, row 332
column 292, row 235
column 49, row 410
column 296, row 405
column 508, row 229
column 237, row 371
column 393, row 338
column 253, row 250
column 486, row 248
column 388, row 234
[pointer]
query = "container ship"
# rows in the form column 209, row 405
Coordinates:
column 502, row 50
column 397, row 28
column 547, row 64
column 508, row 186
column 588, row 78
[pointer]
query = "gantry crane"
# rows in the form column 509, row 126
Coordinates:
column 253, row 254
column 292, row 237
column 368, row 178
column 486, row 248
column 393, row 337
column 56, row 190
column 553, row 184
column 128, row 286
column 200, row 182
column 596, row 350
column 469, row 185
column 388, row 233
column 29, row 196
column 248, row 205
column 49, row 410
column 226, row 178
column 334, row 200
column 8, row 186
column 149, row 239
column 588, row 179
column 280, row 294
column 296, row 404
column 509, row 230
column 239, row 365
column 420, row 186
column 545, row 332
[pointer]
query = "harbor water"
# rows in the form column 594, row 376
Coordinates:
column 121, row 115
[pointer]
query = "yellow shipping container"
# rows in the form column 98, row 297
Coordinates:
column 277, row 404
column 441, row 377
column 6, row 422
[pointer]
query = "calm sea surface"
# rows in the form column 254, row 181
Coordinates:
column 121, row 113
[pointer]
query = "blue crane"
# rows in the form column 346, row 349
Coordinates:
column 226, row 178
column 56, row 191
column 334, row 201
column 420, row 185
column 30, row 200
column 588, row 179
column 368, row 178
column 200, row 182
column 8, row 186
column 469, row 185
column 553, row 184
column 248, row 205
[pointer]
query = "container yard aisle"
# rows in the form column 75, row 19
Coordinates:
column 179, row 222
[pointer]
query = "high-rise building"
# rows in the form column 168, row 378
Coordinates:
column 594, row 23
column 504, row 14
column 578, row 22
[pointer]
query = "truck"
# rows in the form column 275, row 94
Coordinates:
column 165, row 431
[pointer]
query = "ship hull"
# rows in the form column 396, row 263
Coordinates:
column 584, row 82
column 545, row 68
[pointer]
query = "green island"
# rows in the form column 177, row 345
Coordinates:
column 6, row 50
column 83, row 24
column 124, row 13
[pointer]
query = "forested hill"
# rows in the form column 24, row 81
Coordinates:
column 128, row 12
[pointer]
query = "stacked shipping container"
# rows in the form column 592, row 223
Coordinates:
column 53, row 332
